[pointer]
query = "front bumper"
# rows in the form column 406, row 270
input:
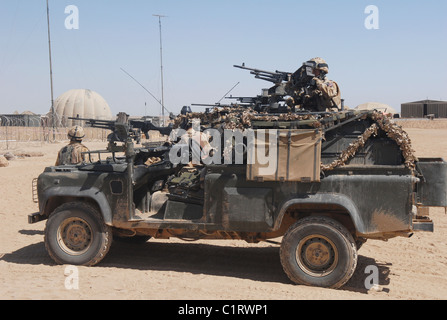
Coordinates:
column 35, row 217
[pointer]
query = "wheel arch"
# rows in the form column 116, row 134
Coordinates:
column 55, row 198
column 337, row 206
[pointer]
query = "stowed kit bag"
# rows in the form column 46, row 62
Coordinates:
column 296, row 157
column 186, row 186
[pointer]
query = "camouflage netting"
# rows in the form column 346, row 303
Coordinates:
column 396, row 133
column 352, row 149
column 242, row 117
column 239, row 118
column 392, row 130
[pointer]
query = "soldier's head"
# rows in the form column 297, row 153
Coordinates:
column 186, row 110
column 76, row 133
column 318, row 66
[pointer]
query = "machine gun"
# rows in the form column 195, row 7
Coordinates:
column 124, row 131
column 271, row 98
column 299, row 86
column 146, row 126
column 276, row 77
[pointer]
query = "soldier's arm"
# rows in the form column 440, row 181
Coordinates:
column 329, row 88
column 84, row 149
column 57, row 159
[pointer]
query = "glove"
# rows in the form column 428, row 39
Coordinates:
column 290, row 102
column 318, row 82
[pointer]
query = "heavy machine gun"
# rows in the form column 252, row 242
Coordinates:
column 298, row 85
column 272, row 99
column 276, row 77
column 125, row 131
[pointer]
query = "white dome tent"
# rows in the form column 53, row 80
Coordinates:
column 83, row 103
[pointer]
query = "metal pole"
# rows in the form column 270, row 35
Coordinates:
column 51, row 73
column 161, row 67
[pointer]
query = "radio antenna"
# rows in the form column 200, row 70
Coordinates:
column 161, row 67
column 228, row 92
column 143, row 88
column 53, row 120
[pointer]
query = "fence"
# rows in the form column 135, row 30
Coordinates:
column 15, row 130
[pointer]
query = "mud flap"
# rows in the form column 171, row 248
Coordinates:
column 432, row 190
column 36, row 217
column 423, row 225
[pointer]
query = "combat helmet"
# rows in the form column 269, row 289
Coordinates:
column 319, row 64
column 76, row 133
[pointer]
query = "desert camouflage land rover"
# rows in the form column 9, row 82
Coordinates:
column 323, row 181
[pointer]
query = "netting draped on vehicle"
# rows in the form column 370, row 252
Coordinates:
column 242, row 118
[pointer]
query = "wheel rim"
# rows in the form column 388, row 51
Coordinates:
column 317, row 255
column 74, row 236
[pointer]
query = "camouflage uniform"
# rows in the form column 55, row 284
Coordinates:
column 327, row 94
column 72, row 153
column 317, row 93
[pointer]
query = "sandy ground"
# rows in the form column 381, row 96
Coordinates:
column 414, row 268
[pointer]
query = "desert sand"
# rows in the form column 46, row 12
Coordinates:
column 409, row 268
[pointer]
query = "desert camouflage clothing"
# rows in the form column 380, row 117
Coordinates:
column 310, row 89
column 71, row 154
column 328, row 93
column 323, row 94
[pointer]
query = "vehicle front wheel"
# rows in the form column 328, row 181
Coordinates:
column 318, row 251
column 76, row 234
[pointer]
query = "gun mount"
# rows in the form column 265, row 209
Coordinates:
column 124, row 131
column 289, row 90
column 271, row 99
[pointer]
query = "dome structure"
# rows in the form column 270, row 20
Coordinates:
column 83, row 103
column 381, row 107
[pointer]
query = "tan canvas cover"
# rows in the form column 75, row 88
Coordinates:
column 298, row 156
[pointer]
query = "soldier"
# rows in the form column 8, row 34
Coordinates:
column 72, row 153
column 310, row 89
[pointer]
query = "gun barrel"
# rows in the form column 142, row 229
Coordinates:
column 275, row 77
column 205, row 105
column 254, row 70
column 95, row 122
column 267, row 78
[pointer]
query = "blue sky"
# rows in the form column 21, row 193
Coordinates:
column 404, row 60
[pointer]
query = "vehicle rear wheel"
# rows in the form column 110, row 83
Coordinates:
column 76, row 234
column 318, row 251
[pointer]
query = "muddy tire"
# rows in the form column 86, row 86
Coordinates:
column 76, row 234
column 318, row 251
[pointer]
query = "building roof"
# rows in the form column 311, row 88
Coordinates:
column 426, row 102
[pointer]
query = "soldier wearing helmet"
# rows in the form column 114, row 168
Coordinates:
column 310, row 89
column 72, row 153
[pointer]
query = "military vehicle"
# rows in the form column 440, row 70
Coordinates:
column 336, row 179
